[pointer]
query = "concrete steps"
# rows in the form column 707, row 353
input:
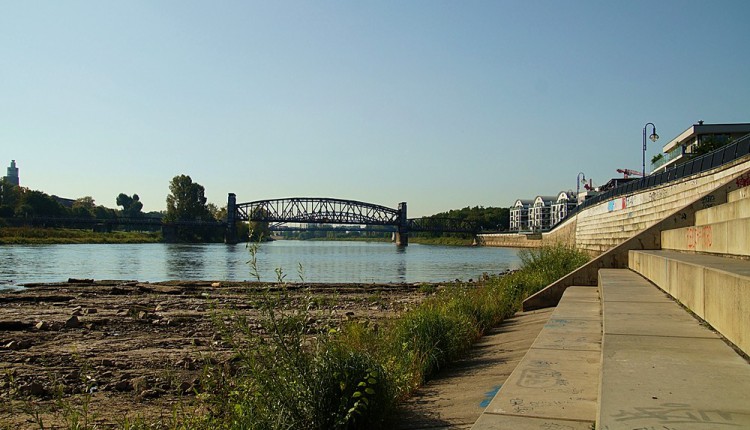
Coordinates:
column 723, row 229
column 738, row 194
column 737, row 207
column 726, row 237
column 661, row 368
column 556, row 383
column 715, row 288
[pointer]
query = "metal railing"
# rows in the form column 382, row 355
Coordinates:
column 726, row 154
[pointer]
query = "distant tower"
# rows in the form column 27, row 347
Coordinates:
column 12, row 177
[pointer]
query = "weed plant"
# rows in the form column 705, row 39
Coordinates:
column 353, row 376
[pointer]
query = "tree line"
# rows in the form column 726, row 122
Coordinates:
column 21, row 202
column 186, row 202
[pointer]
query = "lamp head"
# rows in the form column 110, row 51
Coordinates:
column 654, row 137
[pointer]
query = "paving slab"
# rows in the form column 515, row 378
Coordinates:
column 577, row 309
column 661, row 368
column 622, row 287
column 509, row 422
column 548, row 383
column 571, row 333
column 672, row 383
column 555, row 386
column 652, row 319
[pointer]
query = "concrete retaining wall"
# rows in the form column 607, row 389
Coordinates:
column 565, row 233
column 697, row 193
column 609, row 224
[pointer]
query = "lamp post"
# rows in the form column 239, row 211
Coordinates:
column 654, row 137
column 578, row 183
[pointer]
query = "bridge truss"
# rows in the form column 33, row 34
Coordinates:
column 317, row 211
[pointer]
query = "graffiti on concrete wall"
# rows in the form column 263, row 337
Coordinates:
column 743, row 181
column 699, row 238
column 658, row 195
column 708, row 201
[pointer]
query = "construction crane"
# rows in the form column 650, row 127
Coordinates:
column 627, row 172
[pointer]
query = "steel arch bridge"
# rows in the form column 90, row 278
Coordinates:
column 317, row 210
column 323, row 210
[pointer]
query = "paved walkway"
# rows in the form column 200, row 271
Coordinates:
column 556, row 384
column 661, row 367
column 457, row 396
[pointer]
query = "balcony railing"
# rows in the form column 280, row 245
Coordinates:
column 666, row 158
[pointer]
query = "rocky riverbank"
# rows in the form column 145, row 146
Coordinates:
column 115, row 350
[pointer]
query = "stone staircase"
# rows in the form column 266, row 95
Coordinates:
column 656, row 346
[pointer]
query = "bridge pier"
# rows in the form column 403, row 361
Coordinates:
column 230, row 235
column 169, row 233
column 402, row 235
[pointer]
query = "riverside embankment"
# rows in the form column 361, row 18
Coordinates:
column 132, row 349
column 612, row 222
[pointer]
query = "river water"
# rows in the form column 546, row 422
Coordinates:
column 319, row 262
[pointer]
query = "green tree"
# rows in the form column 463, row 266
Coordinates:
column 100, row 212
column 37, row 203
column 131, row 206
column 83, row 207
column 10, row 197
column 186, row 201
column 219, row 214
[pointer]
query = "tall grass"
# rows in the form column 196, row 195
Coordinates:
column 352, row 377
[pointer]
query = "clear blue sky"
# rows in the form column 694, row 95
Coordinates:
column 442, row 104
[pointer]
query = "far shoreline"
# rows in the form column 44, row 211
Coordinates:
column 61, row 236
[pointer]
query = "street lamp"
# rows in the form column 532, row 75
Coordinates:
column 654, row 137
column 578, row 182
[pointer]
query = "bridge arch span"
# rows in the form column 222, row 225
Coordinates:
column 324, row 210
column 317, row 210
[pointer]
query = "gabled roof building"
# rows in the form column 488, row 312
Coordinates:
column 519, row 215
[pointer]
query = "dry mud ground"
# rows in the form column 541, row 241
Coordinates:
column 138, row 349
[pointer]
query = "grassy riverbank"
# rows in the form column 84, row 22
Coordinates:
column 32, row 236
column 286, row 367
column 442, row 240
column 353, row 376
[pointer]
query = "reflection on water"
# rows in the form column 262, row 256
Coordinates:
column 185, row 261
column 320, row 262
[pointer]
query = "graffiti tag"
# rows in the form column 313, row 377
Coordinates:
column 677, row 413
column 699, row 237
column 657, row 195
column 743, row 181
column 539, row 375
